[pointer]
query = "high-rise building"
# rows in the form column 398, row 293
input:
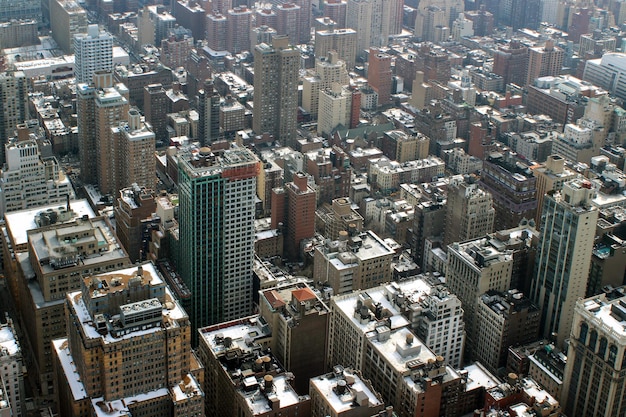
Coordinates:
column 597, row 350
column 276, row 77
column 337, row 11
column 511, row 63
column 155, row 105
column 217, row 198
column 370, row 18
column 300, row 348
column 507, row 177
column 93, row 51
column 13, row 104
column 521, row 14
column 544, row 61
column 191, row 15
column 61, row 245
column 267, row 389
column 20, row 9
column 506, row 319
column 379, row 75
column 334, row 109
column 608, row 72
column 298, row 216
column 568, row 224
column 470, row 213
column 287, row 23
column 351, row 263
column 328, row 70
column 110, row 108
column 342, row 41
column 127, row 349
column 209, row 113
column 473, row 268
column 153, row 24
column 67, row 18
column 133, row 207
column 216, row 30
column 134, row 142
column 29, row 180
column 11, row 368
column 238, row 27
column 175, row 49
column 550, row 177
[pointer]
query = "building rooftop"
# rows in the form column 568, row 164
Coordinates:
column 8, row 341
column 18, row 223
column 343, row 388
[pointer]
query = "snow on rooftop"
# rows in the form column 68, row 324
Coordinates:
column 478, row 376
column 119, row 408
column 8, row 342
column 326, row 385
column 69, row 369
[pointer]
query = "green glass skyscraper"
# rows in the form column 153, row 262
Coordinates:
column 216, row 216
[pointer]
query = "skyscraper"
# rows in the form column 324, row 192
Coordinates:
column 127, row 349
column 93, row 51
column 544, row 61
column 238, row 27
column 470, row 212
column 276, row 76
column 216, row 216
column 209, row 112
column 13, row 104
column 568, row 226
column 594, row 379
column 379, row 75
column 67, row 18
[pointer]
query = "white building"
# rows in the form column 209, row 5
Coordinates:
column 93, row 51
column 11, row 369
column 334, row 109
column 608, row 72
column 29, row 180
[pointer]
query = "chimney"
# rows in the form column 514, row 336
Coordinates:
column 268, row 383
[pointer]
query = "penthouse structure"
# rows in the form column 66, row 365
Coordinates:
column 119, row 324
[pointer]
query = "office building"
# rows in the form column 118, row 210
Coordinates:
column 544, row 61
column 232, row 116
column 339, row 216
column 473, row 268
column 470, row 213
column 18, row 33
column 344, row 393
column 134, row 207
column 511, row 63
column 191, row 15
column 355, row 262
column 209, row 112
column 608, row 72
column 379, row 75
column 242, row 347
column 12, row 369
column 371, row 20
column 550, row 177
column 328, row 70
column 20, row 9
column 342, row 41
column 593, row 373
column 93, row 51
column 300, row 348
column 276, row 77
column 512, row 186
column 153, row 24
column 155, row 105
column 175, row 49
column 67, row 18
column 568, row 225
column 119, row 324
column 506, row 319
column 60, row 250
column 298, row 215
column 14, row 108
column 30, row 180
column 217, row 196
